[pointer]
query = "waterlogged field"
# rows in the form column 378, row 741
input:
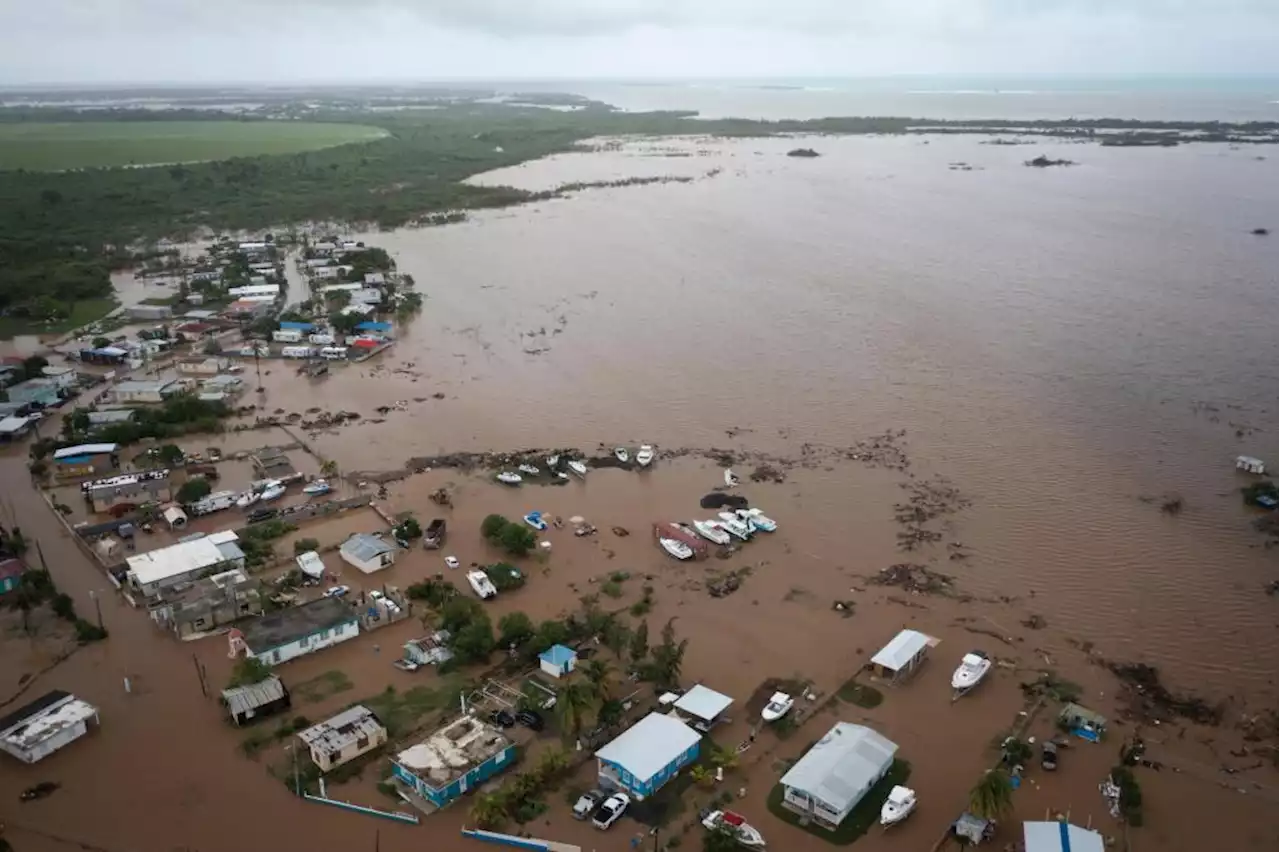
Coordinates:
column 49, row 146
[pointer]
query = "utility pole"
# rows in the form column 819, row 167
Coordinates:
column 204, row 689
column 97, row 603
column 40, row 552
column 297, row 784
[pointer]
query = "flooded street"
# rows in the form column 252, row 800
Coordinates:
column 1068, row 347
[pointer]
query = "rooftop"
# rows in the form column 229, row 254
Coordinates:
column 49, row 714
column 336, row 733
column 649, row 745
column 10, row 567
column 84, row 450
column 453, row 751
column 1059, row 837
column 558, row 655
column 265, row 632
column 364, row 547
column 241, row 699
column 131, row 386
column 10, row 425
column 703, row 703
column 184, row 557
column 841, row 766
column 901, row 649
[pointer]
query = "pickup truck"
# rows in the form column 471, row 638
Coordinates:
column 434, row 536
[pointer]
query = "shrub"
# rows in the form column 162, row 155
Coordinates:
column 517, row 540
column 492, row 526
column 612, row 589
column 303, row 545
column 194, row 489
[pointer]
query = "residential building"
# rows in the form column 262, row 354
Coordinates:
column 325, row 272
column 368, row 553
column 346, row 287
column 294, row 325
column 260, row 289
column 148, row 312
column 278, row 637
column 429, row 650
column 836, row 773
column 701, row 707
column 190, row 559
column 133, row 489
column 13, row 428
column 105, row 355
column 343, row 738
column 459, row 757
column 366, row 296
column 374, row 279
column 111, row 416
column 11, row 571
column 207, row 604
column 86, row 459
column 558, row 660
column 213, row 275
column 227, row 385
column 64, row 377
column 39, row 728
column 1060, row 837
column 209, row 366
column 381, row 328
column 43, row 392
column 902, row 656
column 247, row 704
column 647, row 755
column 132, row 392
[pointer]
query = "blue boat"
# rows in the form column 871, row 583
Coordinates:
column 534, row 519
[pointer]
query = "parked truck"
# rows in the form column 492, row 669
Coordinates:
column 433, row 538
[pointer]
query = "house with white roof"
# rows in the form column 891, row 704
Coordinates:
column 902, row 656
column 188, row 560
column 368, row 553
column 343, row 738
column 834, row 775
column 40, row 727
column 700, row 707
column 1060, row 837
column 647, row 755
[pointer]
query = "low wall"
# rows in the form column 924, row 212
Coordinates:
column 530, row 843
column 361, row 809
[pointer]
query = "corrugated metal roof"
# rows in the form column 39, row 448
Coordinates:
column 842, row 766
column 703, row 702
column 647, row 747
column 901, row 650
column 84, row 450
column 1060, row 837
column 241, row 699
column 364, row 547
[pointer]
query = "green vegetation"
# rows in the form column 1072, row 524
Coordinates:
column 514, row 538
column 504, row 576
column 992, row 797
column 408, row 529
column 401, row 712
column 255, row 540
column 193, row 490
column 665, row 660
column 1130, row 795
column 261, row 738
column 178, row 415
column 862, row 817
column 36, row 588
column 248, row 671
column 321, row 686
column 58, row 311
column 303, row 545
column 520, row 797
column 859, row 694
column 1262, row 488
column 436, row 593
column 54, row 146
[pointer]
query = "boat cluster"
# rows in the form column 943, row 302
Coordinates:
column 740, row 524
column 560, row 467
column 273, row 489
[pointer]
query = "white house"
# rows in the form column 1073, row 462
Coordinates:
column 343, row 738
column 134, row 392
column 558, row 660
column 902, row 656
column 836, row 773
column 1060, row 837
column 185, row 561
column 368, row 553
column 374, row 279
column 281, row 636
column 64, row 377
column 39, row 728
column 209, row 366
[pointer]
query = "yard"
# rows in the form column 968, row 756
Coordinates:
column 82, row 312
column 864, row 814
column 93, row 144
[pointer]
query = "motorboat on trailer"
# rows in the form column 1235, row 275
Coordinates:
column 534, row 519
column 735, row 527
column 899, row 805
column 736, row 825
column 758, row 519
column 506, row 477
column 621, row 454
column 482, row 585
column 676, row 548
column 711, row 531
column 779, row 705
column 972, row 669
column 644, row 457
column 577, row 467
column 274, row 490
column 317, row 488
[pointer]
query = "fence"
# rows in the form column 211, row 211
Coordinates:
column 530, row 843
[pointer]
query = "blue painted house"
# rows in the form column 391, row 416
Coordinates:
column 459, row 757
column 11, row 571
column 294, row 325
column 647, row 755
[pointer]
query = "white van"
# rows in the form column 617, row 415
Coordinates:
column 287, row 335
column 297, row 352
column 334, row 353
column 321, row 339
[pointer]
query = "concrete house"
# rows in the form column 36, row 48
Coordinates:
column 459, row 757
column 140, row 393
column 343, row 738
column 836, row 773
column 12, row 428
column 558, row 660
column 278, row 637
column 647, row 755
column 368, row 553
column 63, row 377
column 131, row 489
column 184, row 562
column 41, row 391
column 11, row 571
column 86, row 459
column 246, row 704
column 209, row 366
column 39, row 728
column 206, row 604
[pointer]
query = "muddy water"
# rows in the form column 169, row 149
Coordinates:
column 1057, row 343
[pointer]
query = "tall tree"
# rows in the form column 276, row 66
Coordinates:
column 640, row 643
column 992, row 796
column 598, row 673
column 575, row 705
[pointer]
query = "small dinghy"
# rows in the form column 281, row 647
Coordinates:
column 779, row 705
column 731, row 478
column 317, row 487
column 273, row 491
column 534, row 519
column 899, row 805
column 734, row 526
column 621, row 454
column 577, row 467
column 758, row 519
column 247, row 499
column 676, row 548
column 711, row 531
column 509, row 478
column 973, row 668
column 530, row 469
column 736, row 825
column 644, row 458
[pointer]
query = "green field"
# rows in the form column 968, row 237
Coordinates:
column 41, row 146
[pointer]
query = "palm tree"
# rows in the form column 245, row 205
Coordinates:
column 702, row 775
column 598, row 672
column 575, row 704
column 552, row 764
column 329, row 468
column 489, row 811
column 725, row 758
column 992, row 796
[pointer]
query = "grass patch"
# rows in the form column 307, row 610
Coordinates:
column 860, row 695
column 401, row 712
column 864, row 814
column 612, row 589
column 322, row 686
column 81, row 312
column 54, row 146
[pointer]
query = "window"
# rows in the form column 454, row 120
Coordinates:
column 362, row 742
column 324, row 634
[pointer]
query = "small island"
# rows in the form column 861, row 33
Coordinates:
column 803, row 152
column 1043, row 162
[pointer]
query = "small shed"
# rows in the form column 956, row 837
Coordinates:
column 367, row 552
column 558, row 660
column 1083, row 722
column 702, row 707
column 973, row 829
column 257, row 700
column 902, row 656
column 1249, row 464
column 175, row 517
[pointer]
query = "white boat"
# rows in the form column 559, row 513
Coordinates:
column 509, row 478
column 731, row 478
column 734, row 526
column 779, row 705
column 973, row 668
column 758, row 519
column 899, row 805
column 676, row 548
column 317, row 487
column 273, row 491
column 482, row 585
column 711, row 531
column 644, row 457
column 552, row 461
column 577, row 467
column 621, row 454
column 736, row 825
column 247, row 499
column 560, row 474
column 530, row 469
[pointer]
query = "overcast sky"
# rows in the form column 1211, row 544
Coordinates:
column 110, row 41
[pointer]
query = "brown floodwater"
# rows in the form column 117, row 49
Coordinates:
column 1066, row 346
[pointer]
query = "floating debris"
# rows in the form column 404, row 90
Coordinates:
column 916, row 579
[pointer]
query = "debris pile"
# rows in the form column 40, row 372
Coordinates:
column 1150, row 700
column 916, row 579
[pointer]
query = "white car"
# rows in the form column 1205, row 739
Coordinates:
column 610, row 811
column 376, row 595
column 451, row 562
column 336, row 591
column 587, row 803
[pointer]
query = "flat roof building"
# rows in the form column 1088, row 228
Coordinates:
column 41, row 727
column 902, row 656
column 701, row 706
column 344, row 737
column 457, row 758
column 185, row 561
column 836, row 773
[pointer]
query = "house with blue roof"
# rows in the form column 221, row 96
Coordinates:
column 297, row 326
column 558, row 660
column 370, row 325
